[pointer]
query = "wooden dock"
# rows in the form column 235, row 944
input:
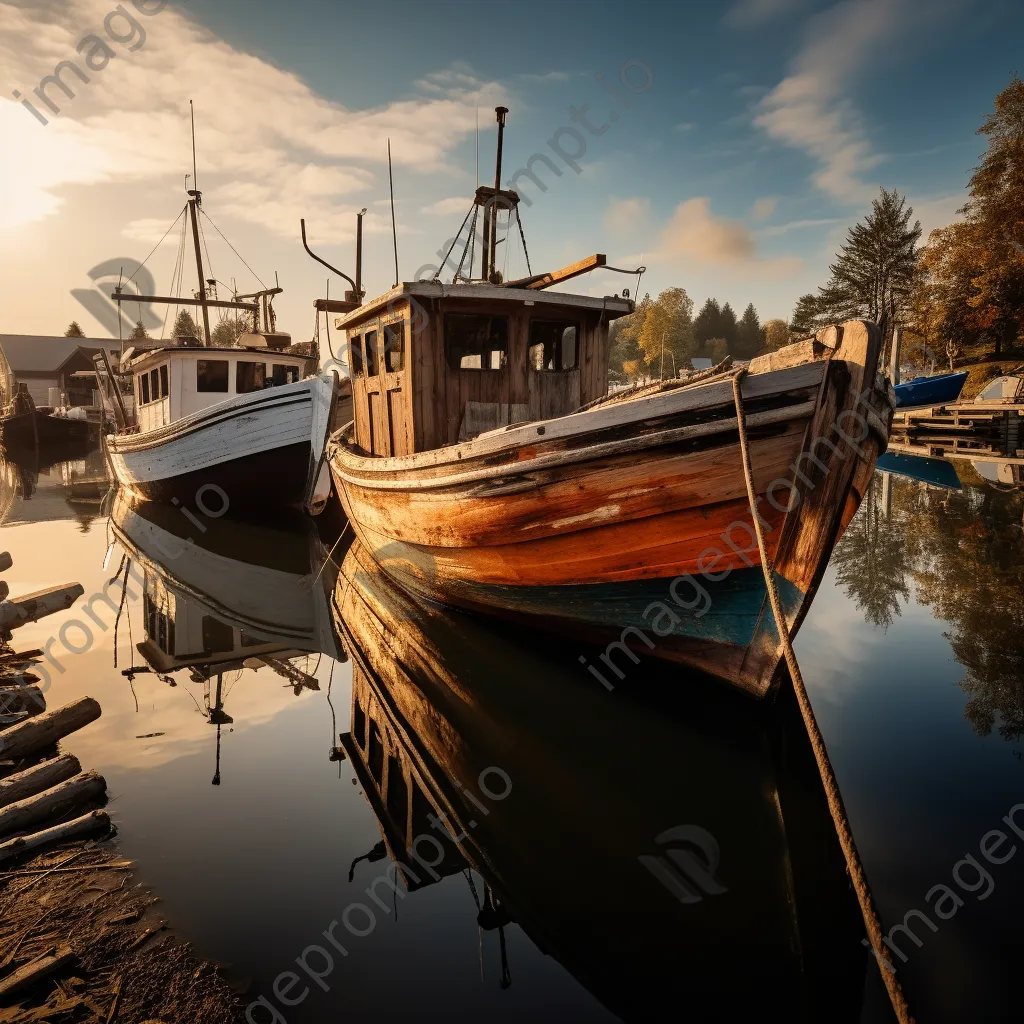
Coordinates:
column 989, row 429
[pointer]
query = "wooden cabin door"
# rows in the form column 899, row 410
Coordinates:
column 390, row 425
column 554, row 375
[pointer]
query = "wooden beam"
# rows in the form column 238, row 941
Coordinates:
column 335, row 305
column 539, row 281
column 170, row 300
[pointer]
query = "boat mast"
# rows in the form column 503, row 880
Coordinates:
column 193, row 204
column 490, row 236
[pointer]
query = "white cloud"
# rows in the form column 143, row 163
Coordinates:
column 747, row 14
column 698, row 239
column 446, row 207
column 627, row 215
column 809, row 109
column 685, row 126
column 274, row 149
column 800, row 225
column 693, row 230
column 764, row 208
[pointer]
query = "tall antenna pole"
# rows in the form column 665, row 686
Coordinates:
column 493, row 214
column 195, row 180
column 394, row 231
column 193, row 205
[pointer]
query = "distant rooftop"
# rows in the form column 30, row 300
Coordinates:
column 33, row 353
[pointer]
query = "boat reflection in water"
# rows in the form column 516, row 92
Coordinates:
column 675, row 860
column 219, row 595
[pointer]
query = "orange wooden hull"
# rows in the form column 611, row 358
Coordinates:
column 529, row 521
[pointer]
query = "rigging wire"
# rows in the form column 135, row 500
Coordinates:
column 458, row 235
column 209, row 262
column 522, row 235
column 231, row 247
column 158, row 244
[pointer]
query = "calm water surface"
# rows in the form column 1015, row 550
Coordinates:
column 261, row 808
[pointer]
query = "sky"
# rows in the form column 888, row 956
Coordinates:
column 725, row 146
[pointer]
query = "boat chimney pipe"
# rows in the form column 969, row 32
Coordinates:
column 359, row 255
column 493, row 217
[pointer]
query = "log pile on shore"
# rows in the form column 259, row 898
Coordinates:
column 79, row 942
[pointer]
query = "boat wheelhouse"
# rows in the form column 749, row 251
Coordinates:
column 432, row 365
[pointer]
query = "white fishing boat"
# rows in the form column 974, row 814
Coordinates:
column 243, row 425
column 246, row 423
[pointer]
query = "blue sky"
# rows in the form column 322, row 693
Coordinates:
column 761, row 132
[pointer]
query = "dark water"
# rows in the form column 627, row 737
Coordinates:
column 661, row 851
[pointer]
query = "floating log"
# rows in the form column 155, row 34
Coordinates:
column 52, row 803
column 46, row 729
column 16, row 788
column 36, row 970
column 79, row 828
column 36, row 606
column 19, row 657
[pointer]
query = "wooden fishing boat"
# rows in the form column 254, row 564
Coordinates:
column 487, row 467
column 710, row 876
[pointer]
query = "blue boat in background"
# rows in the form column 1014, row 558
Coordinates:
column 937, row 472
column 937, row 390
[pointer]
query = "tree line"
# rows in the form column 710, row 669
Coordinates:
column 661, row 336
column 962, row 289
column 224, row 335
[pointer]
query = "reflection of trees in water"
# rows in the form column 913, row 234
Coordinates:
column 873, row 562
column 964, row 551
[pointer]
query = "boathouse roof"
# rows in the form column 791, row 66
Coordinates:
column 615, row 304
column 33, row 354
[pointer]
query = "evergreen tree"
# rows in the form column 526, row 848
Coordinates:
column 228, row 331
column 185, row 326
column 707, row 324
column 139, row 332
column 748, row 336
column 807, row 316
column 728, row 328
column 875, row 269
column 74, row 331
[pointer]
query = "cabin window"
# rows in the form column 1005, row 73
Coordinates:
column 372, row 362
column 398, row 793
column 554, row 345
column 154, row 385
column 249, row 377
column 394, row 347
column 359, row 724
column 355, row 360
column 144, row 389
column 164, row 389
column 376, row 753
column 474, row 341
column 283, row 373
column 218, row 636
column 212, row 375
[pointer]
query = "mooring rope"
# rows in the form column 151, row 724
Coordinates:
column 835, row 800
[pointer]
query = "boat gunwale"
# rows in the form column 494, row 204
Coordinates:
column 770, row 384
column 298, row 391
